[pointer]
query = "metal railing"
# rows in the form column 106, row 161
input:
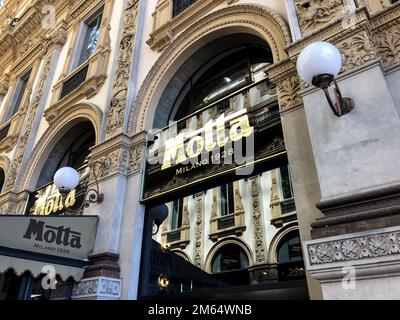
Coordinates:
column 74, row 82
column 226, row 222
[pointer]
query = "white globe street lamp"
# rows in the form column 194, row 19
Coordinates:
column 318, row 64
column 66, row 179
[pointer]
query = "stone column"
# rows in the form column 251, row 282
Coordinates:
column 110, row 160
column 354, row 247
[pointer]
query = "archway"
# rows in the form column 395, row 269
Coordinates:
column 256, row 20
column 215, row 71
column 29, row 176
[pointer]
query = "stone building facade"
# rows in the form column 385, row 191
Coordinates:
column 86, row 83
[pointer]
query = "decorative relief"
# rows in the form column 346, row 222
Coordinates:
column 356, row 51
column 136, row 155
column 116, row 113
column 288, row 90
column 198, row 230
column 95, row 287
column 257, row 219
column 23, row 141
column 114, row 162
column 355, row 248
column 313, row 14
column 387, row 43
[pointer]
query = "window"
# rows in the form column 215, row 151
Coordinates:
column 227, row 204
column 180, row 6
column 229, row 258
column 286, row 182
column 18, row 96
column 2, row 179
column 289, row 249
column 176, row 217
column 222, row 75
column 90, row 36
column 1, row 3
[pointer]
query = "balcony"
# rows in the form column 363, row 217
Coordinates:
column 231, row 224
column 74, row 82
column 282, row 212
column 178, row 238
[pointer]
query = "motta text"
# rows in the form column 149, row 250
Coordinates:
column 188, row 145
column 60, row 235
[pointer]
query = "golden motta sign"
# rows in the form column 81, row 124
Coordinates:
column 198, row 151
column 190, row 145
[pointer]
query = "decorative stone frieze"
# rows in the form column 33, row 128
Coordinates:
column 387, row 43
column 314, row 14
column 98, row 288
column 356, row 50
column 111, row 157
column 354, row 247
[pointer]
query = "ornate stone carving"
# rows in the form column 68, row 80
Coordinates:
column 198, row 230
column 114, row 162
column 97, row 288
column 256, row 205
column 352, row 248
column 313, row 14
column 136, row 154
column 387, row 42
column 288, row 90
column 116, row 112
column 356, row 50
column 23, row 140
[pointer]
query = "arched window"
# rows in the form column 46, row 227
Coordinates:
column 72, row 150
column 289, row 249
column 220, row 76
column 230, row 257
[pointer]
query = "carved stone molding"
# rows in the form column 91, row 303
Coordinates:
column 117, row 109
column 13, row 203
column 387, row 43
column 137, row 153
column 356, row 50
column 98, row 288
column 111, row 157
column 288, row 90
column 256, row 205
column 315, row 14
column 198, row 246
column 354, row 247
column 4, row 84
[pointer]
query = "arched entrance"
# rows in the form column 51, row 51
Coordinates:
column 216, row 103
